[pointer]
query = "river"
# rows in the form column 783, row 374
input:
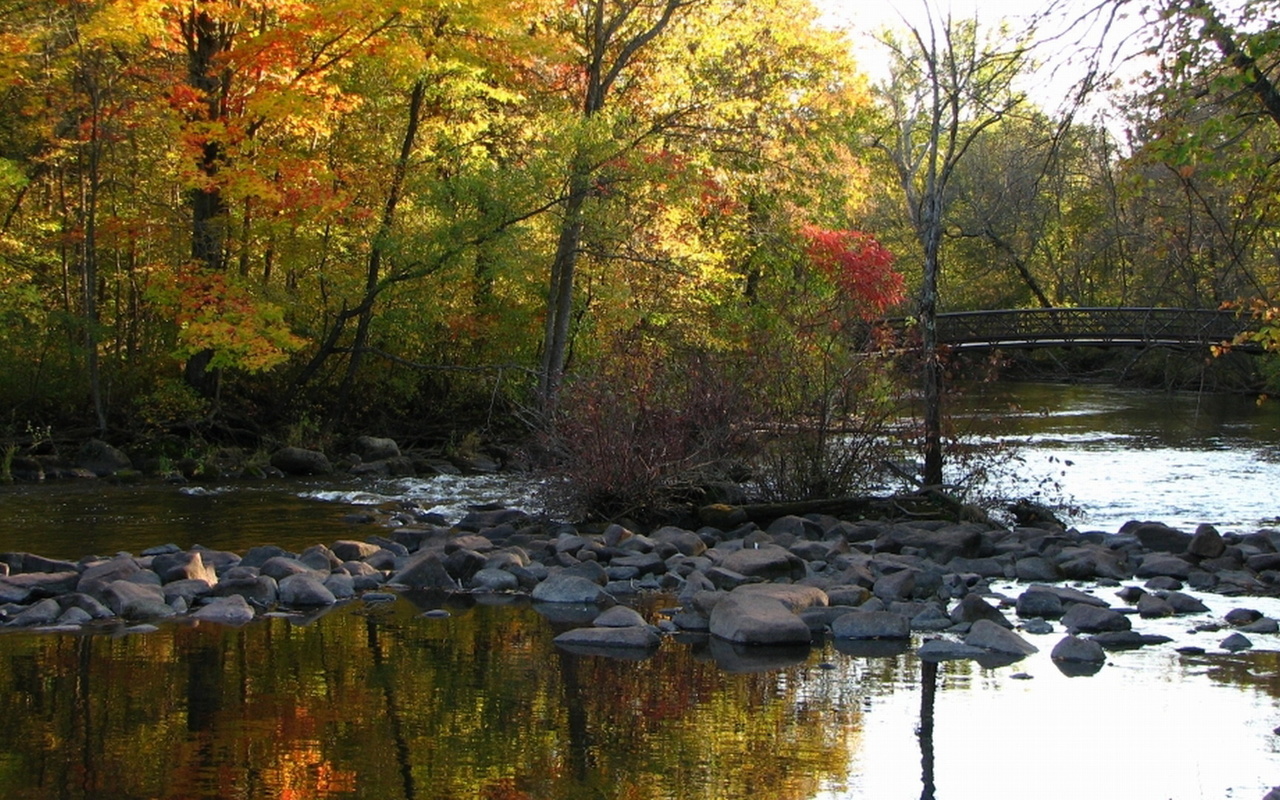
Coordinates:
column 383, row 700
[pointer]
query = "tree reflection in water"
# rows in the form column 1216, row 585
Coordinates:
column 382, row 702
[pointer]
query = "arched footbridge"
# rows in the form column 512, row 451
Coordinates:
column 1183, row 328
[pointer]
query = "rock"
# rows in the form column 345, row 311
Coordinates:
column 373, row 448
column 102, row 459
column 493, row 580
column 183, row 566
column 257, row 556
column 232, row 610
column 1128, row 640
column 931, row 618
column 619, row 617
column 948, row 650
column 426, row 571
column 995, row 638
column 96, row 578
column 1075, row 649
column 189, row 589
column 1264, row 625
column 560, row 587
column 795, row 597
column 767, row 561
column 319, row 558
column 135, row 601
column 871, row 625
column 1036, row 602
column 640, row 637
column 1206, row 542
column 74, row 616
column 1157, row 564
column 1091, row 619
column 972, row 607
column 44, row 612
column 1184, row 603
column 1242, row 616
column 299, row 461
column 305, row 590
column 900, row 585
column 342, row 585
column 348, row 550
column 940, row 546
column 1152, row 607
column 1236, row 642
column 260, row 590
column 37, row 585
column 1158, row 537
column 757, row 619
column 1036, row 568
column 687, row 543
column 281, row 567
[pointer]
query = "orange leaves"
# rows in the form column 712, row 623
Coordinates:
column 215, row 312
column 860, row 267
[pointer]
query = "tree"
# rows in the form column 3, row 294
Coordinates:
column 949, row 82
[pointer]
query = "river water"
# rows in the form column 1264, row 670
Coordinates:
column 385, row 701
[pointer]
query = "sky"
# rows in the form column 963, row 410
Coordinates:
column 1049, row 86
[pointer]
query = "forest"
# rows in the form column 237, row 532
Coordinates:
column 605, row 223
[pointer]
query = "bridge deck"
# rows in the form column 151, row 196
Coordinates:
column 1094, row 327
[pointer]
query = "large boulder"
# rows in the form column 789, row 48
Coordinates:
column 300, row 461
column 940, row 545
column 1075, row 649
column 102, row 459
column 183, row 566
column 305, row 591
column 426, row 571
column 99, row 575
column 871, row 625
column 757, row 619
column 136, row 601
column 796, row 597
column 560, row 587
column 1206, row 543
column 1159, row 537
column 374, row 448
column 767, row 561
column 997, row 639
column 231, row 610
column 1092, row 619
column 633, row 637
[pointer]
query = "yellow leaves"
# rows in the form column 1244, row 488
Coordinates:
column 125, row 22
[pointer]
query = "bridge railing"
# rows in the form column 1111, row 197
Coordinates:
column 1100, row 327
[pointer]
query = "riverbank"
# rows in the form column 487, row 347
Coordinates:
column 877, row 581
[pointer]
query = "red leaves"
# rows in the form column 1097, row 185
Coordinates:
column 860, row 267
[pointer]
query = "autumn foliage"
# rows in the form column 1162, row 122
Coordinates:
column 860, row 267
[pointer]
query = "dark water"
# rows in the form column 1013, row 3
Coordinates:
column 379, row 701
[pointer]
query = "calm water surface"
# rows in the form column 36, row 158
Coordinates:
column 380, row 701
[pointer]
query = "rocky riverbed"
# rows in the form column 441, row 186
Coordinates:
column 752, row 586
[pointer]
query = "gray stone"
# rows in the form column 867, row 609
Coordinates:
column 342, row 585
column 232, row 610
column 1128, row 640
column 635, row 637
column 426, row 571
column 136, row 601
column 188, row 589
column 74, row 616
column 900, row 585
column 560, row 587
column 44, row 612
column 260, row 590
column 990, row 636
column 948, row 650
column 349, row 550
column 1158, row 537
column 493, row 580
column 1075, row 649
column 38, row 584
column 1206, row 542
column 1183, row 603
column 102, row 459
column 305, row 590
column 300, row 461
column 686, row 542
column 281, row 567
column 757, row 619
column 767, row 561
column 1236, row 642
column 940, row 546
column 97, row 576
column 1091, row 619
column 1157, row 564
column 972, row 607
column 183, row 566
column 1152, row 607
column 319, row 558
column 619, row 617
column 871, row 625
column 1264, row 625
column 1035, row 602
column 1036, row 568
column 373, row 448
column 795, row 597
column 1242, row 616
column 257, row 556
